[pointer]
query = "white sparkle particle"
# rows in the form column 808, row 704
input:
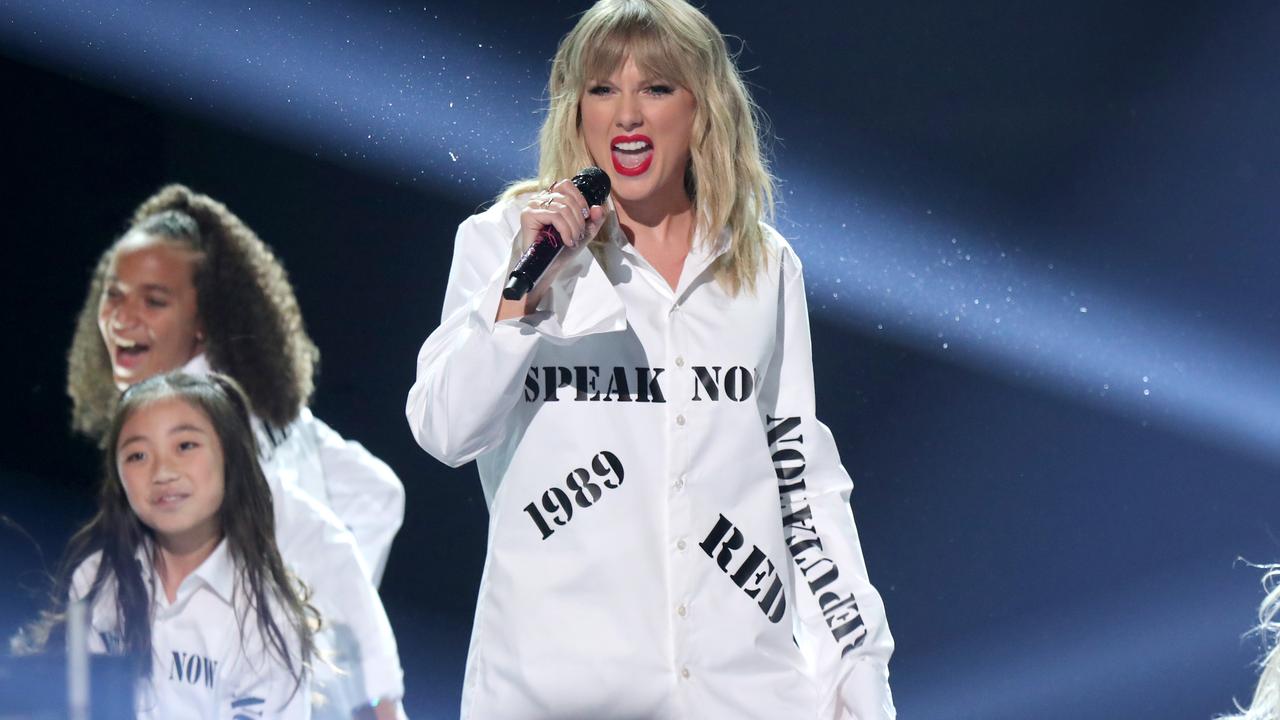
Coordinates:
column 1084, row 309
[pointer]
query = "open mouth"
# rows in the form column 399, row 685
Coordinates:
column 129, row 354
column 632, row 154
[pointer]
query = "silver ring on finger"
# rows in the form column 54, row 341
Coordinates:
column 586, row 213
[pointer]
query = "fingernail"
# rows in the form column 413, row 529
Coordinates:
column 586, row 213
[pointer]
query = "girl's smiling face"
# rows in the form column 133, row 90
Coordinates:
column 147, row 313
column 170, row 460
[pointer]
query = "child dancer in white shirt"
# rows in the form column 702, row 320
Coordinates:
column 189, row 286
column 180, row 566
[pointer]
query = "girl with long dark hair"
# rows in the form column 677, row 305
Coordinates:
column 179, row 566
column 189, row 286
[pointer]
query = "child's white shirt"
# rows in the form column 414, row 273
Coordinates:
column 209, row 660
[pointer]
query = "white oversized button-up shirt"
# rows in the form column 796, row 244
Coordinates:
column 202, row 666
column 635, row 444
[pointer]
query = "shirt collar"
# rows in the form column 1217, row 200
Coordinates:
column 702, row 251
column 217, row 572
column 198, row 365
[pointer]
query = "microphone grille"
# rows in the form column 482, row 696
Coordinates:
column 593, row 183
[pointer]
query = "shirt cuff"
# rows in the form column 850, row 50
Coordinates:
column 383, row 679
column 581, row 301
column 865, row 694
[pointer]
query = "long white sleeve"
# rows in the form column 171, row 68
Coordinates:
column 841, row 624
column 471, row 369
column 363, row 491
column 323, row 553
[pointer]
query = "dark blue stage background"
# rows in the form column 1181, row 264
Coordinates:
column 1040, row 240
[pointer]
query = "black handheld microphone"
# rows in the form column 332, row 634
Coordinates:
column 593, row 183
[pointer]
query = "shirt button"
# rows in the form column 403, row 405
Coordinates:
column 680, row 420
column 684, row 673
column 681, row 544
column 682, row 611
column 679, row 483
column 679, row 361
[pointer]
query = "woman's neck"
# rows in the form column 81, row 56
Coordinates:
column 177, row 557
column 657, row 221
column 663, row 237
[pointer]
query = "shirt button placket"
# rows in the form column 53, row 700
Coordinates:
column 679, row 502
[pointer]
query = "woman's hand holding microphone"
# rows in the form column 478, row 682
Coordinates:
column 573, row 216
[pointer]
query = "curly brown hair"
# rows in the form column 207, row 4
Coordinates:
column 251, row 319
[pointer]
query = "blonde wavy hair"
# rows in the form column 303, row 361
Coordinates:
column 1266, row 697
column 675, row 41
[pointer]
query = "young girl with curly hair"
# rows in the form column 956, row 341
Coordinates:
column 189, row 286
column 182, row 549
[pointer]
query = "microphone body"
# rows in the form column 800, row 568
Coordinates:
column 593, row 183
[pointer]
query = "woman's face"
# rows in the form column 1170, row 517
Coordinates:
column 639, row 128
column 170, row 460
column 147, row 313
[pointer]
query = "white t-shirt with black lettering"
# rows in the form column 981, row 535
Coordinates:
column 670, row 532
column 208, row 659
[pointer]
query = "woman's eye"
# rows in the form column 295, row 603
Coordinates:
column 599, row 90
column 135, row 456
column 661, row 89
column 113, row 294
column 188, row 445
column 156, row 303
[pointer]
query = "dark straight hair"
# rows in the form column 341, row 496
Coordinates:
column 246, row 517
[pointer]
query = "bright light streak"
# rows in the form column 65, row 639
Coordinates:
column 988, row 306
column 393, row 90
column 398, row 92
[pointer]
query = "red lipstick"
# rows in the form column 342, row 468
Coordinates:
column 634, row 156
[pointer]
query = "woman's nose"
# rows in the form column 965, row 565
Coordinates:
column 124, row 316
column 629, row 116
